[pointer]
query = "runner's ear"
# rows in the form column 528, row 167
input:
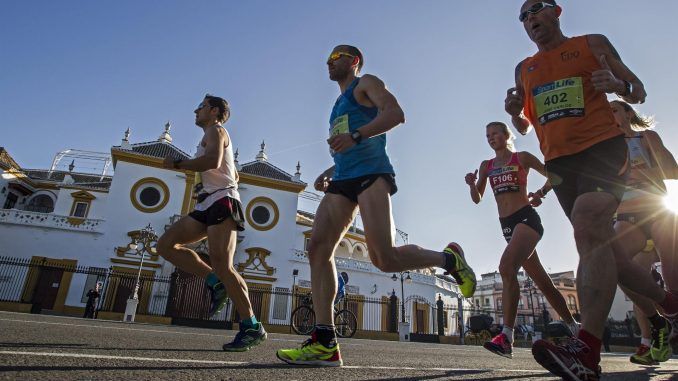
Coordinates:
column 559, row 10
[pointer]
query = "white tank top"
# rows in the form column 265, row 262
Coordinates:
column 219, row 182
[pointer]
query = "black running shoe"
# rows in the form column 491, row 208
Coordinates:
column 246, row 339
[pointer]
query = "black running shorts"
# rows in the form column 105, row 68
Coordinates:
column 351, row 188
column 525, row 215
column 219, row 211
column 599, row 168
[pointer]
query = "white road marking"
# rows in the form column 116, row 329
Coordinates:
column 131, row 358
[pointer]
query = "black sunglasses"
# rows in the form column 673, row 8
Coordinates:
column 534, row 9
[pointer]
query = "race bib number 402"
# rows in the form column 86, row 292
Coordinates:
column 559, row 99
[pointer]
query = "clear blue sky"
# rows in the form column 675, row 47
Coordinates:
column 77, row 74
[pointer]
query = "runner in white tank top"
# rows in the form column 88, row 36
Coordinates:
column 217, row 183
column 217, row 216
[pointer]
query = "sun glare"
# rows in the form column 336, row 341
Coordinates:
column 671, row 199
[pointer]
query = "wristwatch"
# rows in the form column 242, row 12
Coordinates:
column 357, row 138
column 628, row 88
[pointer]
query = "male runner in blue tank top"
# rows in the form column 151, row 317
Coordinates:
column 361, row 177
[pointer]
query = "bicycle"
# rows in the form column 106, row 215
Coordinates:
column 302, row 319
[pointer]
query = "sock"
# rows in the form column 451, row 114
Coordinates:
column 249, row 323
column 508, row 331
column 657, row 321
column 326, row 335
column 670, row 303
column 212, row 279
column 645, row 341
column 593, row 359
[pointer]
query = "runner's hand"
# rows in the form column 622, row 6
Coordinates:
column 341, row 142
column 535, row 198
column 321, row 183
column 471, row 178
column 513, row 104
column 604, row 80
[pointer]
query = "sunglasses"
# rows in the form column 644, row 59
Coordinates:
column 336, row 55
column 202, row 105
column 534, row 9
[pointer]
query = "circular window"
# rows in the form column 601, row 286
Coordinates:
column 149, row 195
column 262, row 213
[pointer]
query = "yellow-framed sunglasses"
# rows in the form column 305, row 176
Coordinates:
column 336, row 55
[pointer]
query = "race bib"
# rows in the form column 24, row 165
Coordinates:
column 563, row 98
column 339, row 125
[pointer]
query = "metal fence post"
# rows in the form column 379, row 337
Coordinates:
column 439, row 314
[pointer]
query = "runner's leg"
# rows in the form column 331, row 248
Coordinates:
column 333, row 218
column 186, row 230
column 222, row 239
column 375, row 209
column 516, row 254
column 665, row 236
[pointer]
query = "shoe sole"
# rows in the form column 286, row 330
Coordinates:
column 552, row 363
column 322, row 363
column 247, row 348
column 492, row 349
column 634, row 361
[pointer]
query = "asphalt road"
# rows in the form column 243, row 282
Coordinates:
column 36, row 347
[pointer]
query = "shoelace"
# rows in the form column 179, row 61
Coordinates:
column 575, row 346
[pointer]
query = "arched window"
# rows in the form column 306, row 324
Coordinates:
column 41, row 203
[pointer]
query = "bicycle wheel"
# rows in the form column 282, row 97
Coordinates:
column 345, row 323
column 303, row 320
column 470, row 338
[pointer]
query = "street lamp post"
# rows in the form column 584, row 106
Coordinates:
column 142, row 244
column 403, row 279
column 529, row 285
column 403, row 327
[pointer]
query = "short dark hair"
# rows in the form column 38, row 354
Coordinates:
column 221, row 104
column 352, row 50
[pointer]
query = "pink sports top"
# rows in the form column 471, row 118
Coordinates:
column 507, row 178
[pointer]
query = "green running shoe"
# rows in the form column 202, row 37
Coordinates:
column 660, row 348
column 456, row 266
column 643, row 356
column 312, row 353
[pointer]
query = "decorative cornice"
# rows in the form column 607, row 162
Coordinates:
column 265, row 182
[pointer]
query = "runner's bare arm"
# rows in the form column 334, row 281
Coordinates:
column 528, row 160
column 666, row 163
column 371, row 91
column 390, row 114
column 514, row 104
column 477, row 186
column 611, row 62
column 215, row 140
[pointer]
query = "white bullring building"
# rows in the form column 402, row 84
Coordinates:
column 80, row 219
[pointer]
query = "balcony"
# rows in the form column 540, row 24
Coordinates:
column 50, row 221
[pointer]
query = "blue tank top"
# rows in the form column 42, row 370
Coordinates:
column 369, row 156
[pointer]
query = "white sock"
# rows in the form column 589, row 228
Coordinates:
column 508, row 331
column 645, row 341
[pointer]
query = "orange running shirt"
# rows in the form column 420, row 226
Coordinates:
column 567, row 113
